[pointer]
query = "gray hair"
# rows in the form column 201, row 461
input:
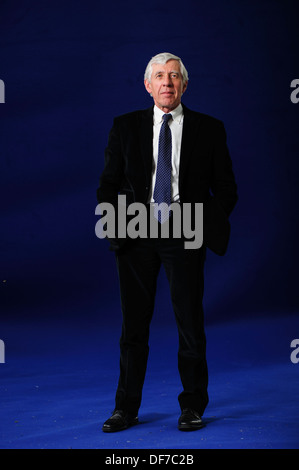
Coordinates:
column 162, row 59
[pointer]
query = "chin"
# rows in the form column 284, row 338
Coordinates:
column 169, row 104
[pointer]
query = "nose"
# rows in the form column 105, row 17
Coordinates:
column 167, row 80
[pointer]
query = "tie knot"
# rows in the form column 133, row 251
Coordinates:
column 167, row 117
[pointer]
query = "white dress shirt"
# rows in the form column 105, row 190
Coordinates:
column 176, row 127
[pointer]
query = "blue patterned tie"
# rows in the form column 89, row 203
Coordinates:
column 162, row 191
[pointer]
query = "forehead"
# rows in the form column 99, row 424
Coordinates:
column 170, row 66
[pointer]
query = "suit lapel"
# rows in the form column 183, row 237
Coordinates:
column 189, row 138
column 146, row 141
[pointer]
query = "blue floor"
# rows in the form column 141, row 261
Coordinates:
column 58, row 383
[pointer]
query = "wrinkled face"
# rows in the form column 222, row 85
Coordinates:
column 166, row 85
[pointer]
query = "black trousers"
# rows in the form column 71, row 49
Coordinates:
column 138, row 266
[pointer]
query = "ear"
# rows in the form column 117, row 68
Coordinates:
column 185, row 87
column 148, row 86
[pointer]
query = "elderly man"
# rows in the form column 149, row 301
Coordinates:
column 166, row 153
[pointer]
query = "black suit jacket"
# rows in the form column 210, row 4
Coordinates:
column 205, row 174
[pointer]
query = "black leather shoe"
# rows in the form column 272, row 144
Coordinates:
column 190, row 420
column 119, row 421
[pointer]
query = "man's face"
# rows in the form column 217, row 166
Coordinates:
column 166, row 85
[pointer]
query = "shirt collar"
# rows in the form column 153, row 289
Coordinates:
column 177, row 114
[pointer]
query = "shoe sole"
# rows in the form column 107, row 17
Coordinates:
column 123, row 428
column 188, row 427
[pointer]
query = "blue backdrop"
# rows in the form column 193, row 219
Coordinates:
column 69, row 67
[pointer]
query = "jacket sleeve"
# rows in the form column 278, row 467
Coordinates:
column 112, row 177
column 223, row 185
column 223, row 198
